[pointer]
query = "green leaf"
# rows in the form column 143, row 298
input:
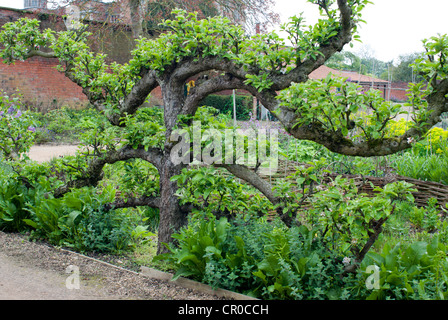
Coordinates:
column 187, row 256
column 72, row 217
column 31, row 223
column 221, row 228
column 182, row 272
column 213, row 250
column 260, row 275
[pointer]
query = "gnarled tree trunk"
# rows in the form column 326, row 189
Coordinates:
column 172, row 218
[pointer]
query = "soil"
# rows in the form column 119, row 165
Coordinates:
column 37, row 271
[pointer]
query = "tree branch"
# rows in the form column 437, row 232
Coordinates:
column 377, row 228
column 335, row 141
column 262, row 185
column 335, row 44
column 191, row 66
column 94, row 172
column 39, row 53
column 140, row 91
column 251, row 177
column 153, row 202
column 216, row 84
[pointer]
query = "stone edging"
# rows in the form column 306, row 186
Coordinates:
column 194, row 285
column 183, row 282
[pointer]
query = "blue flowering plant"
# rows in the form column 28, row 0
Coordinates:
column 17, row 128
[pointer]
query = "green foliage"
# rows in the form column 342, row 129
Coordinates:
column 21, row 37
column 268, row 261
column 20, row 189
column 68, row 125
column 346, row 218
column 13, row 202
column 432, row 64
column 145, row 128
column 187, row 37
column 347, row 61
column 79, row 221
column 297, row 187
column 257, row 258
column 246, row 145
column 135, row 178
column 214, row 192
column 302, row 150
column 97, row 134
column 424, row 167
column 426, row 218
column 298, row 266
column 415, row 271
column 196, row 246
column 337, row 105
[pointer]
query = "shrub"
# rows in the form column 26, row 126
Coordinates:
column 426, row 218
column 14, row 196
column 17, row 127
column 65, row 124
column 18, row 191
column 79, row 221
column 258, row 258
column 268, row 261
column 435, row 141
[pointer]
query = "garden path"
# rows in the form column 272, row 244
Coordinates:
column 36, row 271
column 41, row 153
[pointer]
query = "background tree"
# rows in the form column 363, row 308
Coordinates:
column 404, row 71
column 362, row 62
column 262, row 65
column 247, row 13
column 144, row 16
column 346, row 60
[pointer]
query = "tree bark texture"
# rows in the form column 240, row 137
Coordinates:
column 172, row 217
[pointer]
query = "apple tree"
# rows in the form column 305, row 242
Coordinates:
column 345, row 120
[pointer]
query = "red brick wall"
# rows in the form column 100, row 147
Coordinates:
column 37, row 79
column 398, row 91
column 40, row 84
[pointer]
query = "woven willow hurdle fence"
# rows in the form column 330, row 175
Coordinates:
column 425, row 189
column 365, row 184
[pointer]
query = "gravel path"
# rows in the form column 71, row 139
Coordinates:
column 36, row 271
column 41, row 153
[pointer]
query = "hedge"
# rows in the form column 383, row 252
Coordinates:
column 225, row 105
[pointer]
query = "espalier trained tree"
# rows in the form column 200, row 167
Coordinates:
column 344, row 120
